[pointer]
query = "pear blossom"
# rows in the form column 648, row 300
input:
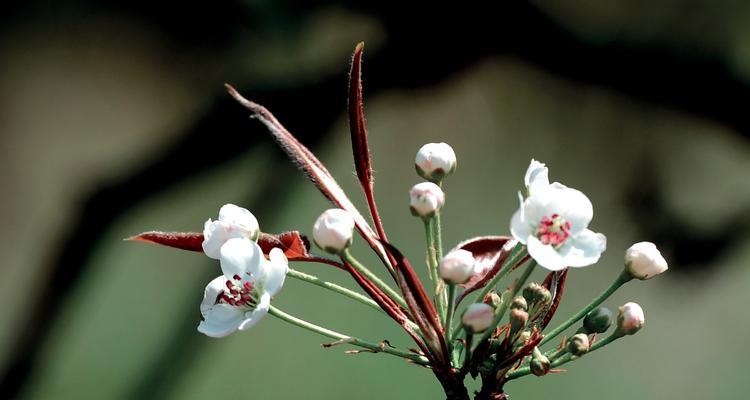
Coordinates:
column 631, row 319
column 553, row 223
column 435, row 161
column 333, row 230
column 241, row 296
column 457, row 266
column 644, row 261
column 233, row 222
column 425, row 199
column 478, row 317
column 537, row 176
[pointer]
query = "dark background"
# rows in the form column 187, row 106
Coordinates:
column 113, row 121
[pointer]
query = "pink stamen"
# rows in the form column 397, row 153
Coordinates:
column 553, row 230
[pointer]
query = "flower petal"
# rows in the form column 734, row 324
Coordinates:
column 221, row 320
column 537, row 177
column 519, row 227
column 545, row 255
column 251, row 318
column 569, row 203
column 212, row 292
column 239, row 217
column 241, row 256
column 583, row 249
column 274, row 271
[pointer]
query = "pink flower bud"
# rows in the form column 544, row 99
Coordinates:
column 426, row 198
column 457, row 266
column 631, row 319
column 644, row 261
column 478, row 317
column 333, row 230
column 435, row 161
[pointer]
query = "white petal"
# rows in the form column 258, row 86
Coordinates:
column 583, row 249
column 251, row 318
column 240, row 218
column 571, row 204
column 221, row 320
column 545, row 255
column 537, row 177
column 241, row 256
column 215, row 234
column 212, row 292
column 274, row 271
column 520, row 228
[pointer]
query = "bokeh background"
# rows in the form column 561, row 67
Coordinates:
column 113, row 121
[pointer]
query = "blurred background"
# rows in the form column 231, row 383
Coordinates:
column 114, row 121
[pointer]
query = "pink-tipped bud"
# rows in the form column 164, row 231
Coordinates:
column 478, row 317
column 644, row 261
column 457, row 266
column 435, row 161
column 631, row 319
column 426, row 198
column 578, row 344
column 333, row 230
column 518, row 319
column 539, row 363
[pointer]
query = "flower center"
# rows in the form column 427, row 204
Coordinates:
column 553, row 230
column 238, row 293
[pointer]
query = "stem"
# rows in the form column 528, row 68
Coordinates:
column 333, row 287
column 347, row 256
column 621, row 280
column 514, row 290
column 564, row 359
column 449, row 315
column 432, row 264
column 376, row 348
column 438, row 245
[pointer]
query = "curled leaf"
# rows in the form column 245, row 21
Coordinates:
column 490, row 252
column 191, row 241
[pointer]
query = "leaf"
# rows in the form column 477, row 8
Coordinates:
column 180, row 240
column 295, row 245
column 555, row 283
column 490, row 252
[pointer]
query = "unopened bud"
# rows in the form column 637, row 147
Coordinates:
column 478, row 317
column 493, row 300
column 536, row 294
column 631, row 319
column 524, row 336
column 518, row 319
column 578, row 344
column 598, row 320
column 644, row 261
column 333, row 230
column 519, row 303
column 426, row 198
column 457, row 266
column 539, row 364
column 435, row 161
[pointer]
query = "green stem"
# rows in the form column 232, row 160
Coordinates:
column 376, row 348
column 438, row 244
column 333, row 287
column 523, row 371
column 449, row 315
column 504, row 306
column 621, row 280
column 347, row 256
column 432, row 265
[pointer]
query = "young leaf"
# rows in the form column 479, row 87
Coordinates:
column 191, row 241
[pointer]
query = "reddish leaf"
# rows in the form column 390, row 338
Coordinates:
column 295, row 245
column 180, row 240
column 490, row 252
column 555, row 283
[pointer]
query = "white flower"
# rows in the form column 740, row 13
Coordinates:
column 644, row 261
column 425, row 199
column 239, row 299
column 537, row 177
column 233, row 222
column 478, row 317
column 333, row 230
column 457, row 266
column 553, row 224
column 435, row 161
column 631, row 319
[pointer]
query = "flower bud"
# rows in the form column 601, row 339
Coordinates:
column 493, row 299
column 435, row 161
column 478, row 317
column 518, row 319
column 631, row 319
column 644, row 261
column 333, row 230
column 578, row 344
column 536, row 294
column 426, row 198
column 539, row 364
column 519, row 303
column 457, row 266
column 524, row 337
column 598, row 320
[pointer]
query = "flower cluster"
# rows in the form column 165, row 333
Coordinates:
column 464, row 321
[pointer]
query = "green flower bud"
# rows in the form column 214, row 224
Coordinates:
column 539, row 364
column 518, row 319
column 598, row 320
column 578, row 344
column 536, row 294
column 519, row 303
column 493, row 300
